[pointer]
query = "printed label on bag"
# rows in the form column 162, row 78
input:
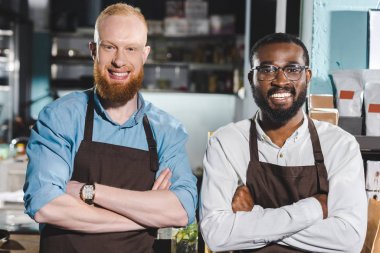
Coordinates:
column 374, row 108
column 346, row 94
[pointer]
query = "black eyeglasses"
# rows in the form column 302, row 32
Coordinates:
column 269, row 72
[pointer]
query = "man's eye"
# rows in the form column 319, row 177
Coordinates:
column 131, row 50
column 267, row 70
column 108, row 47
column 293, row 69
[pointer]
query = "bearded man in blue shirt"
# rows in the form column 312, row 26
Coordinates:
column 107, row 168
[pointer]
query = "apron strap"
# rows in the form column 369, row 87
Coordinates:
column 253, row 148
column 318, row 156
column 89, row 123
column 323, row 186
column 152, row 145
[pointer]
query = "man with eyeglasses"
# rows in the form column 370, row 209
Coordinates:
column 107, row 168
column 281, row 182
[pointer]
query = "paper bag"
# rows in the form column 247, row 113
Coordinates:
column 372, row 239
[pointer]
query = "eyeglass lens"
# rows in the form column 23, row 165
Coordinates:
column 269, row 73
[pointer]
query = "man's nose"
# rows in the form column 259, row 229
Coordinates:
column 120, row 59
column 280, row 77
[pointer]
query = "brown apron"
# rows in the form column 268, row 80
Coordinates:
column 274, row 186
column 112, row 165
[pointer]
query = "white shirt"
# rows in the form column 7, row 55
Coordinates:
column 301, row 224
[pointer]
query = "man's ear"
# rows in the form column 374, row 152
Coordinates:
column 309, row 74
column 146, row 52
column 92, row 47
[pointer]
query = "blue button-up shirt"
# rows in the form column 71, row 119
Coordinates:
column 56, row 137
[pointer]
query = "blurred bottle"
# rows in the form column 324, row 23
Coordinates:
column 17, row 147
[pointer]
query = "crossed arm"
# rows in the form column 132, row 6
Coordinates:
column 231, row 221
column 120, row 210
column 242, row 201
column 52, row 199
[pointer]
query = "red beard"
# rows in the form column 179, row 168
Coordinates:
column 114, row 91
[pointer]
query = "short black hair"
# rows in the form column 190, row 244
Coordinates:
column 279, row 38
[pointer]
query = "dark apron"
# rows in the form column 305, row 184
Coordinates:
column 111, row 165
column 274, row 186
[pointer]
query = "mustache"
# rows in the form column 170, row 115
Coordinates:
column 273, row 90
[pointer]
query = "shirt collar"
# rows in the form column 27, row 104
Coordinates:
column 132, row 121
column 301, row 131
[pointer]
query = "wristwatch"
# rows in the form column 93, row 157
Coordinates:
column 87, row 193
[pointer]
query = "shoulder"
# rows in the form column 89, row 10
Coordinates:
column 76, row 100
column 327, row 131
column 69, row 109
column 334, row 140
column 233, row 132
column 232, row 140
column 162, row 122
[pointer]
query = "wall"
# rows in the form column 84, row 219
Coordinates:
column 339, row 38
column 40, row 94
column 199, row 113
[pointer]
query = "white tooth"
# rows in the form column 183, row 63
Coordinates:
column 120, row 74
column 280, row 95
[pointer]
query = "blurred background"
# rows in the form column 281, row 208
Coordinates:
column 196, row 71
column 199, row 60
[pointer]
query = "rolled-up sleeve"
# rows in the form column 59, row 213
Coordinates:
column 183, row 183
column 49, row 167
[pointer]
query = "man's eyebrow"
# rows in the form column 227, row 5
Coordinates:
column 105, row 41
column 266, row 63
column 133, row 44
column 294, row 63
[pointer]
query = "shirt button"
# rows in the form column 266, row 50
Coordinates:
column 281, row 155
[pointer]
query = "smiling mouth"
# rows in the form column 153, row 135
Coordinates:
column 281, row 95
column 119, row 75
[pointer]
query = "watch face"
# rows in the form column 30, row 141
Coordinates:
column 88, row 192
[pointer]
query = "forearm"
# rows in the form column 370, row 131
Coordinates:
column 159, row 208
column 329, row 235
column 69, row 213
column 224, row 230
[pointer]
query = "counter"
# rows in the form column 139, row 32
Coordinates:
column 29, row 243
column 25, row 243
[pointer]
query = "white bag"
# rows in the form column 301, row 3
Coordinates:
column 371, row 79
column 349, row 86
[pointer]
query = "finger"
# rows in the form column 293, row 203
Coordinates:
column 160, row 178
column 165, row 184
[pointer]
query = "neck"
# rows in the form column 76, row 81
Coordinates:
column 120, row 113
column 280, row 132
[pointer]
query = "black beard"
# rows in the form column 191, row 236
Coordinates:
column 279, row 116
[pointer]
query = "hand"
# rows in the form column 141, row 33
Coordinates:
column 73, row 188
column 242, row 200
column 322, row 198
column 163, row 180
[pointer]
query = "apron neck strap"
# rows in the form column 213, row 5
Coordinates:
column 88, row 130
column 323, row 186
column 253, row 148
column 152, row 145
column 317, row 150
column 89, row 123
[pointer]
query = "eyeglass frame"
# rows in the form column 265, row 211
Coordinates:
column 250, row 73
